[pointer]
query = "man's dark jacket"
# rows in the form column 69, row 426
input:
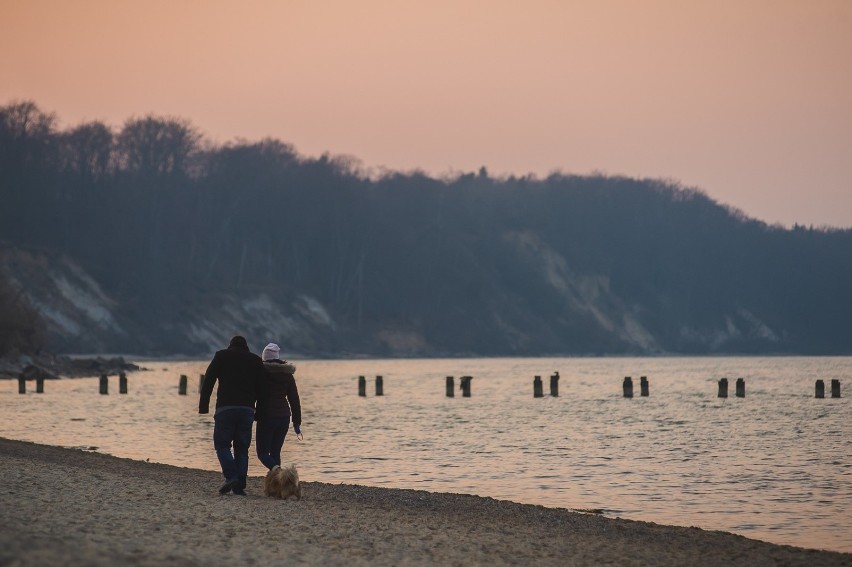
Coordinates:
column 240, row 374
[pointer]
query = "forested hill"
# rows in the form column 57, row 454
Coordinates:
column 149, row 240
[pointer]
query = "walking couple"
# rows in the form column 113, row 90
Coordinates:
column 246, row 380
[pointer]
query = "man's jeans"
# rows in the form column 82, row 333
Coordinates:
column 233, row 426
column 270, row 438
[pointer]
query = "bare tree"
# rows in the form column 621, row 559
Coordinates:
column 26, row 134
column 157, row 146
column 87, row 150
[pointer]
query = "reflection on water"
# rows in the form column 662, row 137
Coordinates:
column 774, row 466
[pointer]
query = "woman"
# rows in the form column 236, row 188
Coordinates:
column 279, row 401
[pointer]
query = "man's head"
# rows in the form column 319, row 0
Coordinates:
column 238, row 342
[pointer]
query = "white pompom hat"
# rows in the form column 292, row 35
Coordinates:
column 270, row 352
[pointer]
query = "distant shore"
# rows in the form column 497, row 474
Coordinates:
column 52, row 366
column 70, row 507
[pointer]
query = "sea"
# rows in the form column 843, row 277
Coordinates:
column 774, row 465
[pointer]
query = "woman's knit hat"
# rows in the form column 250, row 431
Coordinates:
column 270, row 352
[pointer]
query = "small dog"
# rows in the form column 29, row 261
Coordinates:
column 282, row 483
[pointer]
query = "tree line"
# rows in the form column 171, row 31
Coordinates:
column 474, row 264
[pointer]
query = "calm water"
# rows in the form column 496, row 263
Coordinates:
column 774, row 466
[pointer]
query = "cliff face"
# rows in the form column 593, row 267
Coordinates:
column 579, row 314
column 77, row 312
column 82, row 317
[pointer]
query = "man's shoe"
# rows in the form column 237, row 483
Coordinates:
column 228, row 486
column 240, row 492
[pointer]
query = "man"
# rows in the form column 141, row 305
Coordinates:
column 240, row 374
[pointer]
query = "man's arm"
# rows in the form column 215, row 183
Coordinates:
column 207, row 386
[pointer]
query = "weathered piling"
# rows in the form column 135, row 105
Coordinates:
column 740, row 388
column 40, row 385
column 200, row 382
column 104, row 384
column 835, row 388
column 380, row 386
column 538, row 389
column 554, row 384
column 723, row 388
column 465, row 385
column 362, row 386
column 819, row 389
column 22, row 384
column 122, row 383
column 643, row 386
column 451, row 387
column 182, row 385
column 627, row 386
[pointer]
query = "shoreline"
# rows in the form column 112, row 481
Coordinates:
column 71, row 507
column 52, row 366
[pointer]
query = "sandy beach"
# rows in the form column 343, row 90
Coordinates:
column 72, row 507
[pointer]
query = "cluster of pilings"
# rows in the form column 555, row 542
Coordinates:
column 723, row 388
column 627, row 387
column 362, row 386
column 464, row 386
column 22, row 384
column 103, row 384
column 819, row 389
column 538, row 386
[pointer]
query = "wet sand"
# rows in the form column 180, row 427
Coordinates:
column 71, row 507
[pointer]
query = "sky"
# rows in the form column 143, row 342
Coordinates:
column 748, row 100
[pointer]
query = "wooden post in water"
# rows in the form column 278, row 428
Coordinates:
column 554, row 385
column 200, row 382
column 628, row 387
column 22, row 384
column 835, row 388
column 104, row 384
column 537, row 387
column 723, row 388
column 465, row 385
column 819, row 389
column 40, row 385
column 643, row 386
column 451, row 387
column 362, row 386
column 740, row 388
column 380, row 386
column 122, row 383
column 182, row 385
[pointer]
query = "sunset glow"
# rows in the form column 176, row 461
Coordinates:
column 749, row 101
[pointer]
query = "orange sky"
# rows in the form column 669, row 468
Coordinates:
column 750, row 100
